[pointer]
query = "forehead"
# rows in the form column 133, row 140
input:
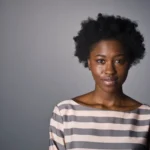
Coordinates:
column 107, row 48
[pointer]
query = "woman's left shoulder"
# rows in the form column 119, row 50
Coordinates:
column 144, row 111
column 138, row 104
column 145, row 106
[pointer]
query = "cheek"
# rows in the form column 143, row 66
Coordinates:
column 97, row 72
column 123, row 73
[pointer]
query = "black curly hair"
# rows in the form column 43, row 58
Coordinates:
column 107, row 27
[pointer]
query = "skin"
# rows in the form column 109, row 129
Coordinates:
column 109, row 66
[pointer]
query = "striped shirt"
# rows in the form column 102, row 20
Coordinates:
column 77, row 127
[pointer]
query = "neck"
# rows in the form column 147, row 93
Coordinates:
column 107, row 98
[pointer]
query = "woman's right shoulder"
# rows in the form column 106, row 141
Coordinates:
column 65, row 107
column 65, row 104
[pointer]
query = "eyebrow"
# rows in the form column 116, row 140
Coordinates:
column 105, row 55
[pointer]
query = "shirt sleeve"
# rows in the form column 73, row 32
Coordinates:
column 56, row 131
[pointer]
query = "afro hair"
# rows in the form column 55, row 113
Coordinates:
column 107, row 27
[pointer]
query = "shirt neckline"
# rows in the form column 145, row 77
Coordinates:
column 108, row 110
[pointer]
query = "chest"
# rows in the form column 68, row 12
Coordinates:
column 106, row 132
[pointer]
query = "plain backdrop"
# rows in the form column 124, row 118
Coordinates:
column 38, row 69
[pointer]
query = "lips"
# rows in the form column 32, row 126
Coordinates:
column 110, row 81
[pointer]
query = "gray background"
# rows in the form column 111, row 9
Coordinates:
column 37, row 67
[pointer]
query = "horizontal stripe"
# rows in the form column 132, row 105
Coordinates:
column 140, row 110
column 97, row 145
column 57, row 118
column 116, row 133
column 104, row 139
column 107, row 114
column 80, row 127
column 57, row 138
column 53, row 145
column 57, row 125
column 105, row 126
column 56, row 131
column 70, row 104
column 104, row 120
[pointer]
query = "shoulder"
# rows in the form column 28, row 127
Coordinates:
column 146, row 107
column 134, row 104
column 65, row 103
column 66, row 106
column 144, row 112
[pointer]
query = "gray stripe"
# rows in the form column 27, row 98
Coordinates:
column 81, row 107
column 95, row 145
column 96, row 132
column 57, row 118
column 59, row 146
column 105, row 120
column 56, row 131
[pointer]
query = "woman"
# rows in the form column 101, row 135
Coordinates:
column 105, row 118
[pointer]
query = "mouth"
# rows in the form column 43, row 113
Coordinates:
column 110, row 81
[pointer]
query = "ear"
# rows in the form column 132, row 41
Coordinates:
column 89, row 65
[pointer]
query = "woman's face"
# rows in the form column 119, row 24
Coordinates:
column 109, row 65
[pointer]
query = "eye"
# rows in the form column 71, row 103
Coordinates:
column 119, row 61
column 100, row 61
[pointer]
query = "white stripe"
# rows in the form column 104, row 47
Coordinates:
column 56, row 138
column 105, row 126
column 57, row 113
column 66, row 102
column 52, row 147
column 57, row 125
column 97, row 113
column 104, row 139
column 56, row 110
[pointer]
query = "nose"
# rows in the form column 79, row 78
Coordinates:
column 110, row 68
